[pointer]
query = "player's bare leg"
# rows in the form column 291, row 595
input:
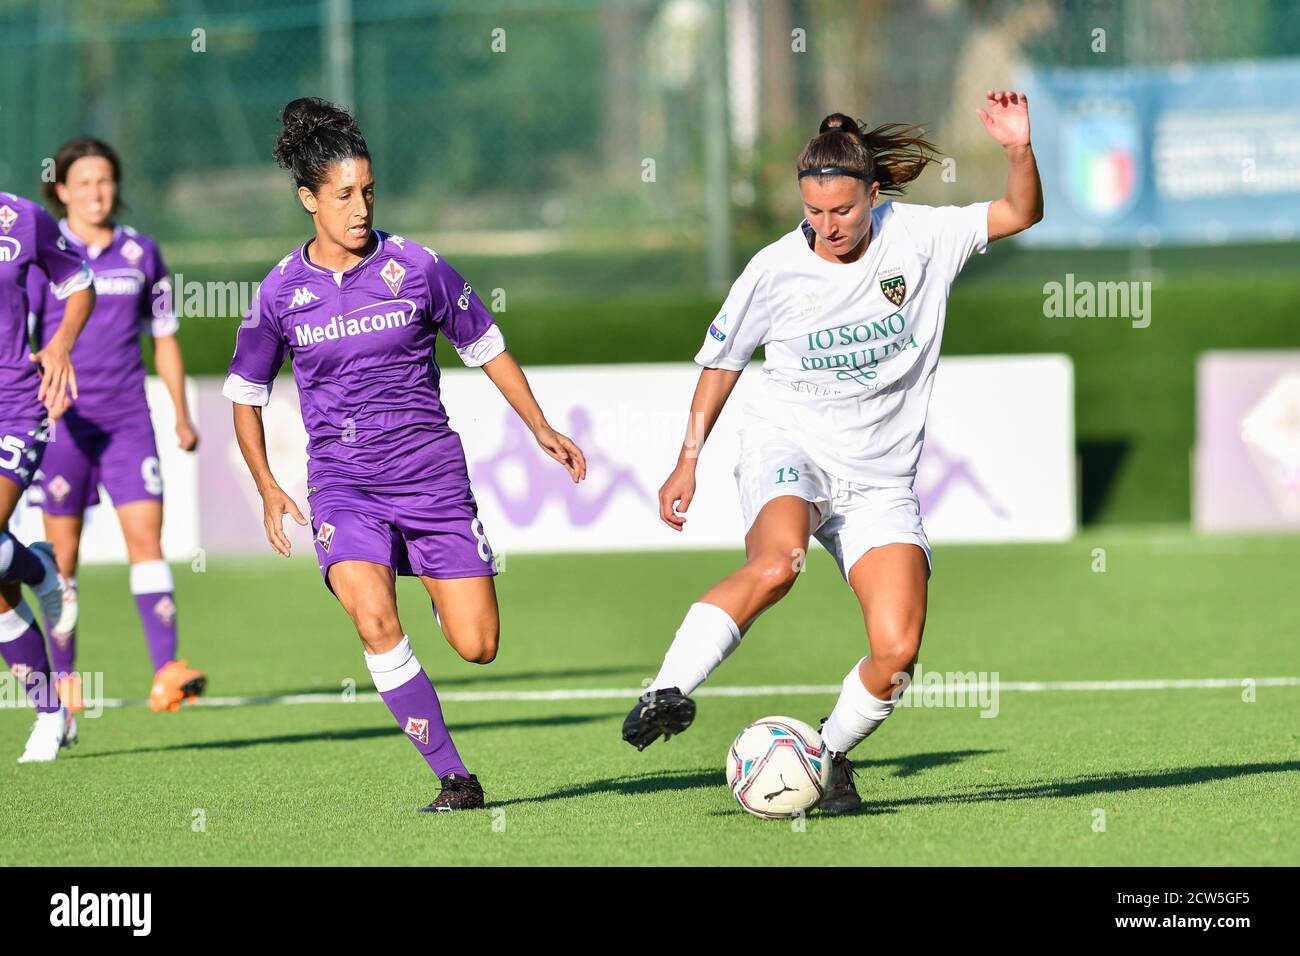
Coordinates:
column 774, row 552
column 368, row 593
column 891, row 583
column 63, row 532
column 775, row 547
column 467, row 612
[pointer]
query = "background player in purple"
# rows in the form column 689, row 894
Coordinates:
column 107, row 437
column 359, row 310
column 29, row 401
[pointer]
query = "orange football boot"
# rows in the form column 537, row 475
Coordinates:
column 69, row 688
column 174, row 683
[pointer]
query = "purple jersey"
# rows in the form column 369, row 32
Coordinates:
column 362, row 345
column 29, row 237
column 132, row 295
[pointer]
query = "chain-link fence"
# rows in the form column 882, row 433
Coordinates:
column 647, row 144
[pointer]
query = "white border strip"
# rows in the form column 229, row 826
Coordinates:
column 772, row 690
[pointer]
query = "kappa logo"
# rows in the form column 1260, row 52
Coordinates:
column 393, row 274
column 894, row 285
column 302, row 296
column 131, row 251
column 430, row 252
column 418, row 728
column 325, row 537
column 59, row 489
column 165, row 610
column 284, row 263
column 397, row 241
column 7, row 218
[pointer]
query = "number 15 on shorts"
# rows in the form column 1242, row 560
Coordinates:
column 785, row 476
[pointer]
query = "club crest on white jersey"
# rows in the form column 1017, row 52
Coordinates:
column 894, row 285
column 393, row 274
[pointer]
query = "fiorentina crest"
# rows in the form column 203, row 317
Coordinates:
column 7, row 219
column 393, row 274
column 418, row 728
column 326, row 536
column 165, row 610
column 894, row 285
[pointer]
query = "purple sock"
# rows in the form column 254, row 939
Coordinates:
column 23, row 648
column 63, row 648
column 409, row 694
column 151, row 583
column 17, row 563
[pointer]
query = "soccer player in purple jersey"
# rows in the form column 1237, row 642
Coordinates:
column 107, row 437
column 29, row 401
column 359, row 311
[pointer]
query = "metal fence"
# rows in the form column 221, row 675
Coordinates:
column 547, row 127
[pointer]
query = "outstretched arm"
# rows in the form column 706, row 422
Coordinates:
column 711, row 393
column 1007, row 121
column 509, row 379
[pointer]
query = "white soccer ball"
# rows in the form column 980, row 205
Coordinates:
column 777, row 767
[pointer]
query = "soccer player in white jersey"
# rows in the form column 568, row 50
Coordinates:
column 849, row 307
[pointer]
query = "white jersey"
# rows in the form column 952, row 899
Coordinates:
column 851, row 348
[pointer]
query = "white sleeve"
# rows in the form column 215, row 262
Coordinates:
column 952, row 234
column 742, row 325
column 243, row 392
column 483, row 349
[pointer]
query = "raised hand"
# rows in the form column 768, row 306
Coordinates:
column 1006, row 117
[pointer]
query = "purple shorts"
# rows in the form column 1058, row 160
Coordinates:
column 23, row 443
column 433, row 532
column 83, row 455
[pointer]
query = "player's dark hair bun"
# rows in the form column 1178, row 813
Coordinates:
column 840, row 123
column 316, row 135
column 892, row 155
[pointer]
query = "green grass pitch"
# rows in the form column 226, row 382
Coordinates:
column 1184, row 776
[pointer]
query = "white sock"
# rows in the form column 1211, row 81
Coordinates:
column 706, row 637
column 16, row 622
column 152, row 577
column 393, row 668
column 857, row 713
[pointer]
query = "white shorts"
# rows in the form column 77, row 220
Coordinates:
column 848, row 518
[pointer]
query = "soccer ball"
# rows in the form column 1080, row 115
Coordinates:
column 777, row 767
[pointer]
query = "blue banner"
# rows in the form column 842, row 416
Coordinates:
column 1188, row 154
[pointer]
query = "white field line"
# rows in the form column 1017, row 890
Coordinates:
column 771, row 690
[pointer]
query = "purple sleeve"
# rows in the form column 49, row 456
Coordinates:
column 461, row 315
column 259, row 352
column 66, row 270
column 159, row 316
